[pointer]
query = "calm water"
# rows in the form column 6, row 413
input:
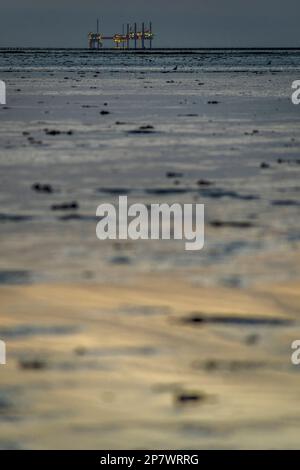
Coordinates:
column 207, row 60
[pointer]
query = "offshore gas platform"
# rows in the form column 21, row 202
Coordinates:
column 132, row 37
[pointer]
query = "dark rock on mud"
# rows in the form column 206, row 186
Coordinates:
column 228, row 224
column 203, row 182
column 65, row 206
column 202, row 319
column 174, row 174
column 184, row 398
column 142, row 130
column 32, row 364
column 42, row 188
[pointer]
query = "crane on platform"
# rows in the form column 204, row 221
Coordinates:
column 139, row 37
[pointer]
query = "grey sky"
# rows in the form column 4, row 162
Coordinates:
column 186, row 23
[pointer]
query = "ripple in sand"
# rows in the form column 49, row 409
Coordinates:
column 15, row 277
column 202, row 319
column 145, row 310
column 15, row 218
column 21, row 331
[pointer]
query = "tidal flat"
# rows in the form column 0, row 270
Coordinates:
column 142, row 344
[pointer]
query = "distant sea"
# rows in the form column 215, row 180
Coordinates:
column 214, row 60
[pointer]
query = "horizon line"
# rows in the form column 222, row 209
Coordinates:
column 149, row 51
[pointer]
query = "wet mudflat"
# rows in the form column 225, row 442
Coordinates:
column 116, row 343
